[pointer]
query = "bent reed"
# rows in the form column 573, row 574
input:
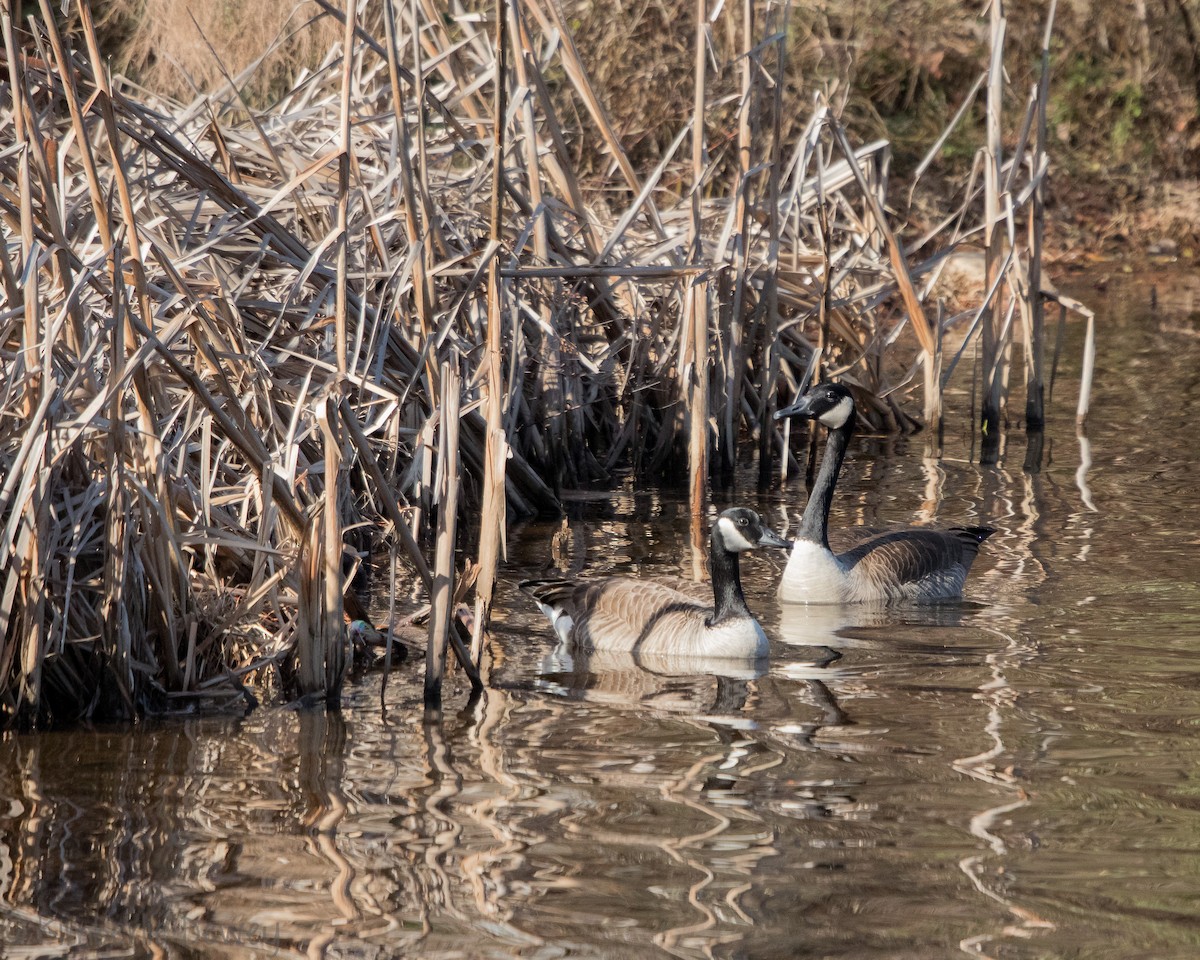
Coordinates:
column 230, row 335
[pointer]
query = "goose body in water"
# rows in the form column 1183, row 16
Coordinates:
column 914, row 564
column 641, row 616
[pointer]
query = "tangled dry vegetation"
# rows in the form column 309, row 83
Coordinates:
column 243, row 347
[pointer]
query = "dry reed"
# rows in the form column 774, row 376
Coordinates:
column 228, row 336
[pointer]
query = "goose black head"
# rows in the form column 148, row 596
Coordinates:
column 739, row 529
column 831, row 404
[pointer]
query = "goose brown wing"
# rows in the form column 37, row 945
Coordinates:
column 622, row 607
column 905, row 556
column 618, row 612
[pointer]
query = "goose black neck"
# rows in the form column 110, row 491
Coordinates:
column 814, row 526
column 728, row 599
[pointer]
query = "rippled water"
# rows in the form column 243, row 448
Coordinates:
column 1016, row 777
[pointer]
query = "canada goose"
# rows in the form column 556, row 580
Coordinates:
column 910, row 564
column 623, row 613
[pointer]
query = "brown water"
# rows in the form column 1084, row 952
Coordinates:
column 1016, row 777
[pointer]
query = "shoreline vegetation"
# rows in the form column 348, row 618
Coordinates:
column 247, row 346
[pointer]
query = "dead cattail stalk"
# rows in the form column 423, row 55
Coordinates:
column 333, row 633
column 343, row 195
column 492, row 518
column 694, row 343
column 933, row 386
column 442, row 594
column 117, row 560
column 310, row 641
column 1035, row 401
column 1087, row 370
column 771, row 282
column 696, row 360
column 993, row 343
column 523, row 66
column 415, row 216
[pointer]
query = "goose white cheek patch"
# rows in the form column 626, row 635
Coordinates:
column 838, row 416
column 733, row 537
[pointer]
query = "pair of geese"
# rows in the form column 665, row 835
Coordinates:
column 626, row 614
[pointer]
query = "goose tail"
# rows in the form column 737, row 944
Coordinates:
column 555, row 598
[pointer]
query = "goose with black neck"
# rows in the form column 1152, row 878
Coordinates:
column 642, row 616
column 914, row 563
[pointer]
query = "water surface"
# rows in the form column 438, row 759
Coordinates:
column 1013, row 777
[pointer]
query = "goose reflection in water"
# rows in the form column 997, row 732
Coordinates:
column 827, row 630
column 773, row 700
column 695, row 686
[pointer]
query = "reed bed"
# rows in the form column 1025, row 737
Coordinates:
column 228, row 333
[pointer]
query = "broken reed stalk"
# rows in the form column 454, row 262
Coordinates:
column 441, row 596
column 495, row 449
column 333, row 635
column 1087, row 371
column 321, row 639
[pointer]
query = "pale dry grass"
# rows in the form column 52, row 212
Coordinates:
column 182, row 48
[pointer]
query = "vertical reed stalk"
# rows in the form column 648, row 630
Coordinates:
column 163, row 535
column 694, row 344
column 343, row 200
column 933, row 385
column 734, row 332
column 12, row 287
column 1087, row 371
column 30, row 561
column 436, row 40
column 1035, row 400
column 333, row 633
column 119, row 590
column 931, row 366
column 697, row 398
column 320, row 636
column 412, row 219
column 38, row 144
column 492, row 521
column 771, row 279
column 441, row 597
column 993, row 345
column 522, row 56
column 310, row 641
column 432, row 226
column 134, row 239
column 114, row 604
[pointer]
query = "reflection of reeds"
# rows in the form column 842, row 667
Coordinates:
column 985, row 825
column 227, row 333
